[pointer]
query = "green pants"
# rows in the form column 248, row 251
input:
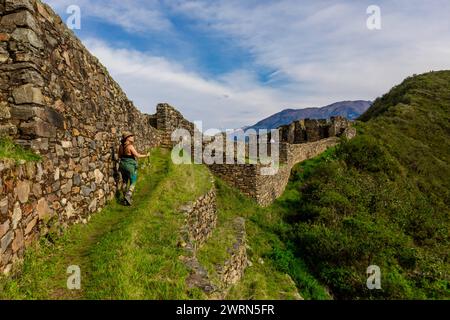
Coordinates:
column 128, row 169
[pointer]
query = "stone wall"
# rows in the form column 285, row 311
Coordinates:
column 311, row 130
column 248, row 178
column 201, row 219
column 168, row 119
column 239, row 176
column 57, row 99
column 233, row 269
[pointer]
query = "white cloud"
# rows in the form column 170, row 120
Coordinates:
column 324, row 47
column 235, row 99
column 131, row 15
column 321, row 50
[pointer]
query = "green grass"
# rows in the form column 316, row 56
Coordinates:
column 123, row 252
column 12, row 151
column 382, row 198
column 266, row 278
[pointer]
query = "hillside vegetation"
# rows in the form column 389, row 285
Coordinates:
column 380, row 199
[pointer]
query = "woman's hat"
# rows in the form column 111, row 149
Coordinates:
column 126, row 135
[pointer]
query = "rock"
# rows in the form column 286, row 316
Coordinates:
column 59, row 150
column 8, row 130
column 28, row 75
column 98, row 176
column 6, row 241
column 31, row 225
column 4, row 56
column 65, row 189
column 38, row 128
column 70, row 211
column 85, row 164
column 18, row 241
column 66, row 144
column 17, row 215
column 93, row 206
column 4, row 110
column 43, row 210
column 69, row 174
column 57, row 174
column 4, row 37
column 20, row 19
column 43, row 12
column 37, row 190
column 13, row 5
column 28, row 94
column 86, row 191
column 76, row 180
column 27, row 36
column 22, row 191
column 4, row 205
column 4, row 228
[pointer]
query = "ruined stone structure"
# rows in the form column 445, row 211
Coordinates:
column 58, row 100
column 201, row 220
column 299, row 141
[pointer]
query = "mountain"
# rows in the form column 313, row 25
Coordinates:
column 380, row 199
column 348, row 109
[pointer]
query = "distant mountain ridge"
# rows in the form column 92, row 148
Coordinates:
column 348, row 109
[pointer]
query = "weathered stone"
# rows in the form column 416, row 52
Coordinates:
column 59, row 150
column 8, row 130
column 27, row 36
column 6, row 241
column 43, row 12
column 18, row 244
column 28, row 94
column 28, row 75
column 23, row 191
column 4, row 228
column 85, row 164
column 69, row 174
column 66, row 144
column 93, row 206
column 98, row 176
column 86, row 191
column 65, row 189
column 4, row 56
column 38, row 128
column 43, row 210
column 70, row 211
column 31, row 225
column 12, row 5
column 20, row 19
column 4, row 37
column 4, row 110
column 17, row 215
column 4, row 205
column 57, row 174
column 76, row 180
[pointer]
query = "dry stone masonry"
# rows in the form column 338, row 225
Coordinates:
column 299, row 141
column 58, row 100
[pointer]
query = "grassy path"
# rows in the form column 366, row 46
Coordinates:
column 123, row 252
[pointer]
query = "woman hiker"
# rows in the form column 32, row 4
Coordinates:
column 128, row 164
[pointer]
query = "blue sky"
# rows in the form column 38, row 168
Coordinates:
column 230, row 63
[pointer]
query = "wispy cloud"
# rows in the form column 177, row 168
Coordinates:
column 131, row 15
column 300, row 53
column 232, row 100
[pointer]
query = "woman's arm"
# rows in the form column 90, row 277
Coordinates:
column 137, row 154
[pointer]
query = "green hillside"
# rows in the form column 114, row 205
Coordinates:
column 381, row 199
